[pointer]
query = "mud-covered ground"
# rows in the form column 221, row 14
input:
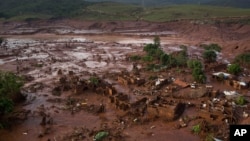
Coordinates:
column 58, row 58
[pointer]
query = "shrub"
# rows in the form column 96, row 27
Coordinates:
column 234, row 69
column 10, row 85
column 243, row 59
column 198, row 75
column 196, row 129
column 154, row 50
column 194, row 64
column 164, row 59
column 214, row 47
column 209, row 56
column 240, row 100
column 6, row 105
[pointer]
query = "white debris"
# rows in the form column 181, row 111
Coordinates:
column 245, row 114
column 230, row 93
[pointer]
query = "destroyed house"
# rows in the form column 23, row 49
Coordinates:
column 222, row 75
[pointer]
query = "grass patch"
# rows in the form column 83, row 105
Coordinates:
column 83, row 10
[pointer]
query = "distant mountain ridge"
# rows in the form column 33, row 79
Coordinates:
column 227, row 3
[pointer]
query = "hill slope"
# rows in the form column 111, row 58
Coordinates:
column 230, row 3
column 43, row 8
column 83, row 10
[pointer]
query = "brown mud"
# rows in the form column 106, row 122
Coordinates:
column 57, row 59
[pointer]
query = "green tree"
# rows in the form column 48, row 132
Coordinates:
column 209, row 56
column 214, row 47
column 181, row 58
column 194, row 64
column 10, row 86
column 198, row 75
column 234, row 69
column 164, row 59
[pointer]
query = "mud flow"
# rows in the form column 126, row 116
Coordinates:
column 80, row 81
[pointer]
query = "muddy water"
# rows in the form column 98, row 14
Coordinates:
column 52, row 53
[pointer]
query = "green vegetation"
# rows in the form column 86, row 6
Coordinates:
column 135, row 57
column 147, row 58
column 154, row 49
column 209, row 56
column 164, row 59
column 243, row 59
column 199, row 75
column 94, row 80
column 209, row 137
column 197, row 12
column 37, row 9
column 197, row 71
column 240, row 100
column 214, row 47
column 234, row 69
column 194, row 64
column 100, row 136
column 196, row 129
column 10, row 85
column 181, row 57
column 87, row 10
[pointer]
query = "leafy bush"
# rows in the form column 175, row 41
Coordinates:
column 194, row 64
column 6, row 105
column 214, row 47
column 181, row 58
column 10, row 85
column 154, row 50
column 196, row 129
column 164, row 59
column 234, row 69
column 209, row 56
column 199, row 75
column 240, row 100
column 243, row 59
